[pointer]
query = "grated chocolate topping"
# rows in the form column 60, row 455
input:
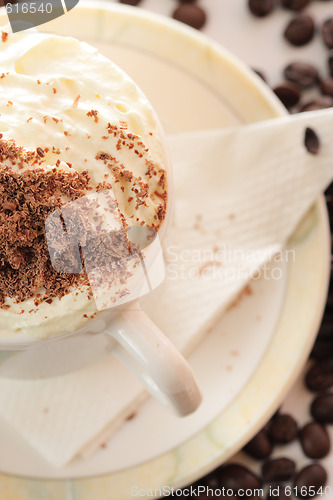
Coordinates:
column 27, row 198
column 29, row 195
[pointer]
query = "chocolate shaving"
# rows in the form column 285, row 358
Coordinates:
column 41, row 152
column 93, row 113
column 27, row 199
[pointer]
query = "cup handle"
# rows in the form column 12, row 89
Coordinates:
column 150, row 355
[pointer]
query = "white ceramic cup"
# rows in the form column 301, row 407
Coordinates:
column 136, row 340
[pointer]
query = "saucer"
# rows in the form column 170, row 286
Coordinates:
column 251, row 357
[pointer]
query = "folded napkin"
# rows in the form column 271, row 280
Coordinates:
column 239, row 195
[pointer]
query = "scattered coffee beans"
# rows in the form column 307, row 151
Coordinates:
column 190, row 14
column 320, row 376
column 236, row 477
column 300, row 30
column 313, row 475
column 322, row 409
column 278, row 469
column 295, row 4
column 311, row 141
column 289, row 93
column 315, row 440
column 261, row 8
column 304, row 74
column 327, row 33
column 283, row 429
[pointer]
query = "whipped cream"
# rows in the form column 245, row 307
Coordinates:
column 62, row 97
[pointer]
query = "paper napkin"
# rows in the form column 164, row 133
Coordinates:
column 239, row 195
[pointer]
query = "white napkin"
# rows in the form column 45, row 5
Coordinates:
column 239, row 195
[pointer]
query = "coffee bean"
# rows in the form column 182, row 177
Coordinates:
column 295, row 4
column 321, row 102
column 322, row 349
column 283, row 429
column 304, row 74
column 193, row 15
column 313, row 475
column 322, row 409
column 326, row 328
column 289, row 93
column 311, row 141
column 330, row 64
column 320, row 376
column 328, row 313
column 130, row 2
column 259, row 447
column 315, row 440
column 327, row 32
column 236, row 477
column 326, row 86
column 300, row 30
column 261, row 8
column 187, row 1
column 278, row 469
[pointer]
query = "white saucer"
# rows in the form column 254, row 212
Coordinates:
column 253, row 355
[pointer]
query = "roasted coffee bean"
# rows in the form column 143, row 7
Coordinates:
column 283, row 429
column 320, row 376
column 321, row 102
column 130, row 2
column 322, row 409
column 187, row 1
column 315, row 440
column 322, row 349
column 326, row 86
column 304, row 74
column 311, row 141
column 278, row 469
column 289, row 93
column 236, row 477
column 295, row 4
column 328, row 313
column 327, row 32
column 300, row 30
column 193, row 15
column 261, row 8
column 330, row 64
column 313, row 475
column 259, row 447
column 326, row 328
